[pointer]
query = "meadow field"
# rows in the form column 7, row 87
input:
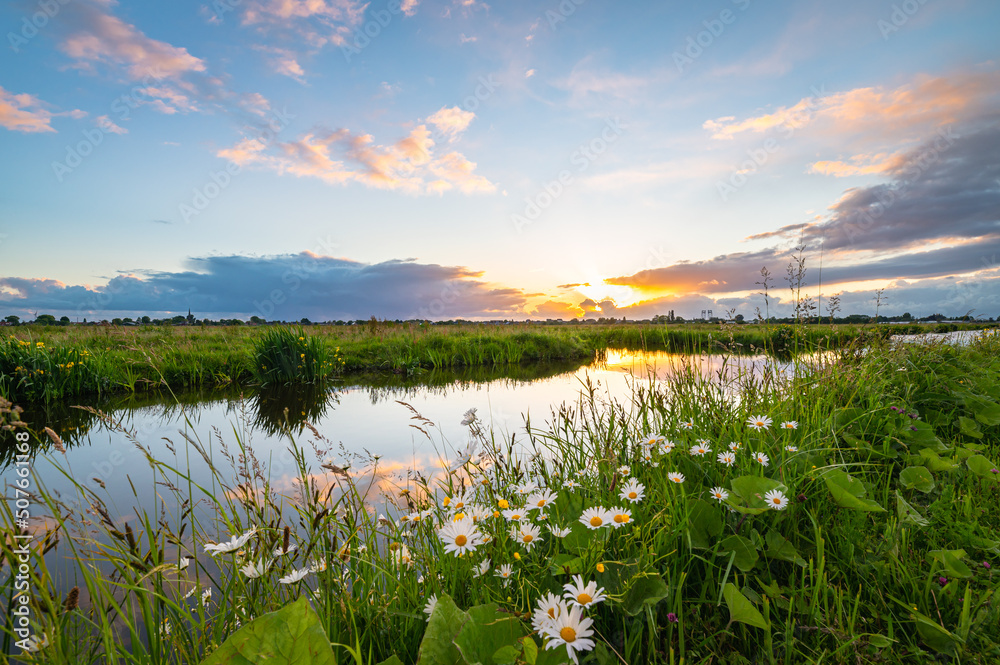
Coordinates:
column 845, row 515
column 51, row 362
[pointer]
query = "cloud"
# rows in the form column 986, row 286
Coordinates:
column 23, row 113
column 278, row 287
column 316, row 23
column 409, row 7
column 100, row 38
column 337, row 157
column 105, row 123
column 451, row 121
column 876, row 112
column 284, row 62
column 553, row 309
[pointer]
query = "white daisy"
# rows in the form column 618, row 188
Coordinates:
column 762, row 458
column 686, row 424
column 232, row 545
column 735, row 445
column 294, row 576
column 469, row 417
column 790, row 424
column 278, row 551
column 570, row 484
column 582, row 594
column 431, row 604
column 700, row 450
column 400, row 556
column 317, row 566
column 719, row 493
column 481, row 569
column 633, row 491
column 206, row 595
column 514, row 515
column 571, row 630
column 505, row 572
column 184, row 563
column 668, row 446
column 776, row 499
column 36, row 643
column 620, row 516
column 792, row 449
column 548, row 610
column 460, row 536
column 540, row 500
column 526, row 534
column 595, row 518
column 675, row 477
column 727, row 458
column 759, row 422
column 624, row 470
column 525, row 489
column 558, row 532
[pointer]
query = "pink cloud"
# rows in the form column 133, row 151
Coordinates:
column 107, row 39
column 451, row 121
column 23, row 113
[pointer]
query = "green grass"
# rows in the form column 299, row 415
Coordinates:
column 109, row 360
column 886, row 552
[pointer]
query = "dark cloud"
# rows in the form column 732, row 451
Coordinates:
column 277, row 287
column 937, row 215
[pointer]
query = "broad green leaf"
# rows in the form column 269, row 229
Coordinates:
column 878, row 641
column 935, row 462
column 486, row 632
column 986, row 411
column 555, row 656
column 748, row 493
column 291, row 636
column 746, row 554
column 566, row 564
column 704, row 524
column 779, row 547
column 916, row 477
column 951, row 562
column 848, row 492
column 741, row 609
column 506, row 655
column 969, row 427
column 530, row 650
column 907, row 513
column 616, row 576
column 392, row 660
column 934, row 635
column 645, row 590
column 981, row 466
column 438, row 646
column 923, row 437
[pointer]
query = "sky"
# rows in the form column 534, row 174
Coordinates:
column 439, row 159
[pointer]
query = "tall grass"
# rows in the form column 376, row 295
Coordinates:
column 885, row 552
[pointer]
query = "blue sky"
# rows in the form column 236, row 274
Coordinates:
column 337, row 159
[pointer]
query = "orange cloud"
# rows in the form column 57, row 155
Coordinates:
column 451, row 121
column 408, row 165
column 860, row 165
column 17, row 114
column 925, row 104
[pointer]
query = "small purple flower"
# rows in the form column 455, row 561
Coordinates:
column 942, row 581
column 896, row 409
column 994, row 470
column 672, row 618
column 986, row 565
column 913, row 416
column 913, row 427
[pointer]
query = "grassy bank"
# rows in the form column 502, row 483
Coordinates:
column 859, row 525
column 44, row 363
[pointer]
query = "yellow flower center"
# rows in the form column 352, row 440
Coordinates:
column 459, row 505
column 632, row 495
column 552, row 612
column 596, row 521
column 461, row 540
column 568, row 634
column 583, row 598
column 541, row 503
column 527, row 537
column 515, row 516
column 621, row 519
column 776, row 500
